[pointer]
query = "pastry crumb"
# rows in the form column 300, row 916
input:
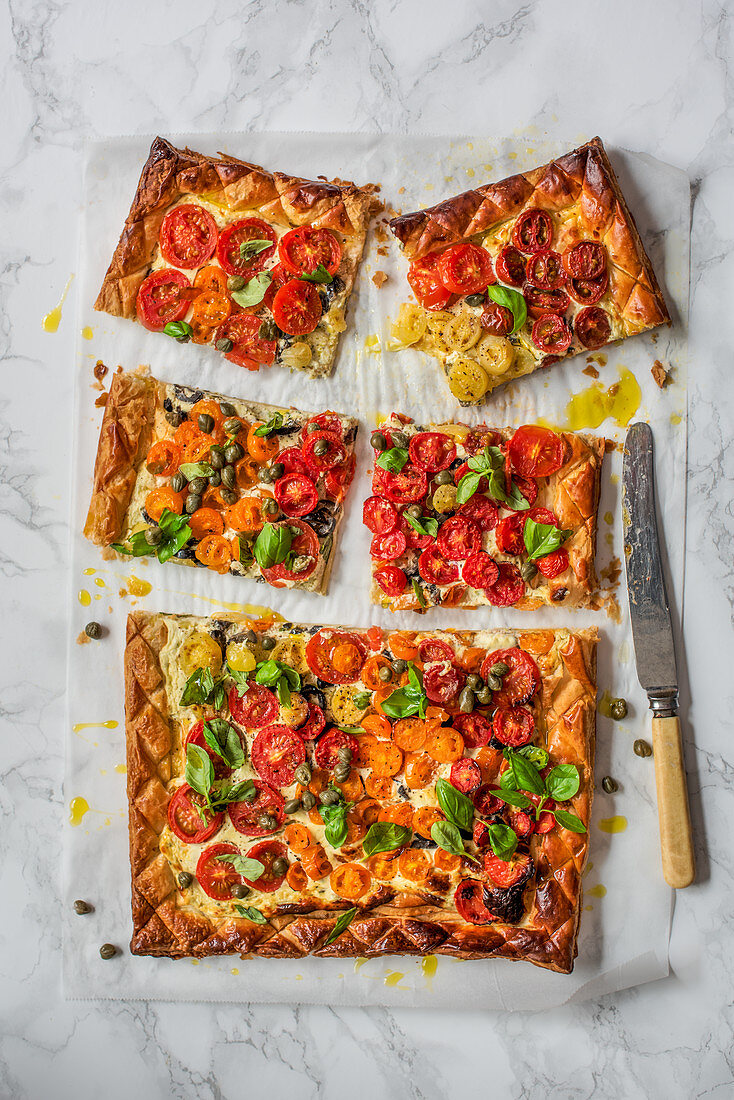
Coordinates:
column 379, row 278
column 83, row 639
column 591, row 371
column 612, row 572
column 401, row 190
column 381, row 232
column 660, row 374
column 100, row 370
column 101, row 400
column 382, row 250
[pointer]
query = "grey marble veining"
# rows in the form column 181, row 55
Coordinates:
column 652, row 76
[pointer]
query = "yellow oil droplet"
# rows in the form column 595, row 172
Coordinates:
column 470, row 173
column 136, row 587
column 614, row 478
column 195, row 962
column 590, row 407
column 99, row 582
column 359, row 964
column 608, row 539
column 84, row 598
column 429, row 965
column 597, row 891
column 235, row 970
column 88, row 332
column 110, row 724
column 675, row 418
column 52, row 320
column 588, row 908
column 299, row 977
column 89, row 572
column 372, row 343
column 589, row 867
column 613, row 824
column 78, row 807
column 604, row 704
column 608, row 518
column 393, row 977
column 121, row 769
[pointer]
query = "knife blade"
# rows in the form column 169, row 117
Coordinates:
column 652, row 632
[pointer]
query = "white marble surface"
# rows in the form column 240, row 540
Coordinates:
column 648, row 76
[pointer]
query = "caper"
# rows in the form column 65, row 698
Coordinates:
column 328, row 797
column 385, row 674
column 280, row 866
column 239, row 890
column 320, row 447
column 378, row 441
column 185, row 880
column 224, row 345
column 277, row 470
column 216, row 458
column 268, row 330
column 609, row 785
column 108, row 951
column 175, row 418
column 295, row 531
column 249, row 636
column 270, row 507
column 303, row 774
column 399, row 439
column 227, row 409
column 466, row 701
column 228, row 496
column 309, row 800
column 178, row 482
column 193, row 503
column 235, row 282
column 476, row 683
column 301, row 562
column 93, row 630
column 82, row 907
column 292, row 806
column 399, row 666
column 528, row 570
column 232, row 426
column 153, row 536
column 341, row 773
column 215, row 478
column 268, row 643
column 266, row 475
column 233, row 452
column 618, row 709
column 484, row 696
column 474, row 299
column 228, row 476
column 344, row 753
column 206, row 423
column 641, row 748
column 500, row 669
column 415, row 511
column 198, row 485
column 494, row 683
column 444, row 477
column 267, row 821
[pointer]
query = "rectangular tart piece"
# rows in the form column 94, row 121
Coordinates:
column 300, row 790
column 209, row 237
column 231, row 485
column 465, row 517
column 518, row 274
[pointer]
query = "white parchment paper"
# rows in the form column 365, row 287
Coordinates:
column 625, row 923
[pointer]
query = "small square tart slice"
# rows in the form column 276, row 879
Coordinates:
column 229, row 855
column 515, row 275
column 204, row 480
column 433, row 544
column 223, row 252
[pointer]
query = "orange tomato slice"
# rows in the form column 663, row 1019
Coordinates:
column 378, row 725
column 445, row 861
column 367, row 811
column 210, row 408
column 414, row 864
column 386, row 758
column 402, row 814
column 419, row 770
column 383, row 866
column 424, row 818
column 246, row 515
column 371, row 672
column 378, row 786
column 539, row 642
column 247, row 470
column 158, row 500
column 298, row 837
column 209, row 311
column 346, row 659
column 261, row 447
column 211, row 278
column 444, row 744
column 409, row 734
column 296, row 877
column 350, row 881
column 164, row 458
column 215, row 552
column 206, row 521
column 402, row 645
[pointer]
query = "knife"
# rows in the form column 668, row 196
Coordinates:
column 652, row 631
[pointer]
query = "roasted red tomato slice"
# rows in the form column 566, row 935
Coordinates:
column 545, row 823
column 528, row 487
column 379, row 515
column 458, row 537
column 442, row 683
column 588, row 291
column 304, row 545
column 244, row 815
column 388, row 547
column 508, row 588
column 294, row 462
column 431, row 650
column 480, row 570
column 542, row 515
column 279, row 276
column 314, row 724
column 338, row 479
column 480, row 834
column 216, row 876
column 326, row 752
column 545, row 270
column 593, row 328
column 465, row 775
column 474, row 728
column 426, row 284
column 322, row 450
column 297, row 495
column 237, row 261
column 479, row 438
column 267, row 852
column 465, row 269
column 521, row 823
column 485, row 800
column 415, row 539
column 552, row 565
column 297, row 308
column 533, row 231
column 469, row 902
column 391, row 580
column 510, row 266
column 195, row 736
column 323, row 422
column 540, row 302
column 508, row 534
column 160, row 299
column 536, row 452
column 434, row 569
column 587, row 260
column 520, row 684
column 336, row 656
column 250, row 350
column 302, row 250
column 482, row 510
column 185, row 820
column 276, row 753
column 551, row 334
column 507, row 872
column 432, row 451
column 497, row 319
column 258, row 707
column 513, row 726
column 188, row 236
column 407, row 487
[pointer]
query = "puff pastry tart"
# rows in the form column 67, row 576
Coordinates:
column 462, row 517
column 259, row 264
column 518, row 274
column 231, row 485
column 340, row 792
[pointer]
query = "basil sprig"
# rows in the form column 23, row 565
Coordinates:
column 190, row 470
column 343, row 921
column 447, row 836
column 179, row 330
column 284, row 679
column 418, row 593
column 407, row 700
column 458, row 808
column 272, row 545
column 276, row 421
column 253, row 247
column 512, row 300
column 393, row 460
column 251, row 869
column 319, row 275
column 201, row 689
column 224, row 740
column 490, row 464
column 561, row 784
column 542, row 538
column 176, row 533
column 426, row 525
column 385, row 836
column 249, row 912
column 199, row 775
column 334, row 817
column 253, row 291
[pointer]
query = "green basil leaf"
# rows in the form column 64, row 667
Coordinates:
column 503, row 840
column 535, row 754
column 138, row 548
column 197, row 688
column 393, row 460
column 276, row 421
column 178, row 330
column 319, row 275
column 253, row 247
column 224, row 740
column 414, row 678
column 336, row 831
column 418, row 593
column 272, row 545
column 199, row 770
column 512, row 300
column 515, row 500
column 542, row 538
column 385, row 836
column 284, row 692
column 241, row 680
column 253, row 292
column 424, row 526
column 343, row 921
column 526, row 775
column 251, row 869
column 403, row 703
column 458, row 808
column 362, row 700
column 268, row 673
column 512, row 798
column 251, row 913
column 172, row 544
column 507, row 781
column 569, row 821
column 467, row 487
column 190, row 470
column 223, row 793
column 448, row 837
column 563, row 782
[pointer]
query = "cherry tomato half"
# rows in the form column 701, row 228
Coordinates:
column 588, row 291
column 482, row 510
column 297, row 495
column 508, row 534
column 426, row 284
column 186, row 821
column 336, row 656
column 553, row 564
column 432, row 451
column 586, row 260
column 434, row 569
column 391, row 580
column 535, row 451
column 258, row 707
column 229, row 251
column 510, row 266
column 217, row 876
column 540, row 302
column 244, row 815
column 406, row 487
column 545, row 270
column 326, row 752
column 332, row 451
column 250, row 350
column 465, row 775
column 161, row 299
column 304, row 545
column 442, row 683
column 458, row 537
column 508, row 588
column 302, row 250
column 465, row 269
column 388, row 547
column 276, row 753
column 520, row 684
column 551, row 334
column 480, row 570
column 267, row 852
column 593, row 328
column 497, row 319
column 513, row 726
column 188, row 236
column 533, row 231
column 508, row 872
column 469, row 902
column 297, row 308
column 379, row 515
column 474, row 728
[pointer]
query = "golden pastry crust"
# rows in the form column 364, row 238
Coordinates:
column 170, row 174
column 135, row 415
column 169, row 921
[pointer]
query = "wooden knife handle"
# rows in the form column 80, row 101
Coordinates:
column 676, row 842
